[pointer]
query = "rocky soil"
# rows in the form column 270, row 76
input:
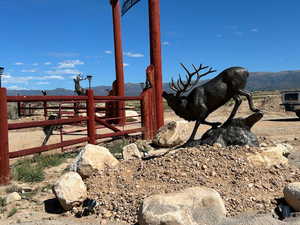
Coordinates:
column 244, row 188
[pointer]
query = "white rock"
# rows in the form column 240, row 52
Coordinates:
column 70, row 190
column 12, row 197
column 192, row 206
column 93, row 158
column 270, row 157
column 171, row 134
column 131, row 151
column 292, row 195
column 263, row 144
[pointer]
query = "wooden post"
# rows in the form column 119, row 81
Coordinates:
column 155, row 56
column 4, row 158
column 91, row 126
column 120, row 85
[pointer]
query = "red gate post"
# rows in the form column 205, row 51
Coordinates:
column 45, row 105
column 155, row 56
column 4, row 158
column 91, row 126
column 118, row 58
column 152, row 104
column 145, row 113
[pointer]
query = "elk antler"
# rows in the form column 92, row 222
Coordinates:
column 181, row 86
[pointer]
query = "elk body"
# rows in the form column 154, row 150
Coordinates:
column 195, row 103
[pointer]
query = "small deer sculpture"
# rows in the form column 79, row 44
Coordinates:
column 199, row 101
column 78, row 89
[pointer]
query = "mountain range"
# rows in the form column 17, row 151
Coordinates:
column 257, row 81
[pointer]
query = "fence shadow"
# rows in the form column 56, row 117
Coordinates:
column 284, row 120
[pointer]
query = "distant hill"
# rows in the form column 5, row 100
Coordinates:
column 256, row 82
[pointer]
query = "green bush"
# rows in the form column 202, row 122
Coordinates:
column 32, row 170
column 12, row 212
column 26, row 171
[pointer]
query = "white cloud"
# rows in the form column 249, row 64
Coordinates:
column 16, row 88
column 133, row 55
column 165, row 43
column 35, row 64
column 47, row 63
column 254, row 30
column 15, row 80
column 19, row 63
column 29, row 71
column 63, row 54
column 42, row 83
column 125, row 64
column 69, row 63
column 65, row 71
column 108, row 52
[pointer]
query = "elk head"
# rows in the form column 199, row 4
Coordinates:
column 178, row 102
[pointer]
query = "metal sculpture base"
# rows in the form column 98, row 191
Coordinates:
column 234, row 132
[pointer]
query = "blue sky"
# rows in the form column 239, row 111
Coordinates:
column 44, row 43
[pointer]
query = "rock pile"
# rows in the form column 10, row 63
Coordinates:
column 243, row 186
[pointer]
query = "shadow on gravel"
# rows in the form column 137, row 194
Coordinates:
column 284, row 120
column 53, row 206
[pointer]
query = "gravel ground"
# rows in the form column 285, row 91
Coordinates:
column 243, row 188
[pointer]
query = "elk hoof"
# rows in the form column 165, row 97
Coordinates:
column 216, row 125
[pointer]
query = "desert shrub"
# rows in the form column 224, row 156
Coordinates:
column 2, row 202
column 12, row 212
column 32, row 170
column 116, row 147
column 26, row 171
column 46, row 161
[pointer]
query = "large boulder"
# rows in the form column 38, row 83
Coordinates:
column 70, row 190
column 270, row 157
column 93, row 158
column 292, row 195
column 171, row 134
column 131, row 151
column 264, row 219
column 193, row 206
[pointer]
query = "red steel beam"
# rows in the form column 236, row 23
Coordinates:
column 118, row 98
column 4, row 159
column 99, row 136
column 91, row 125
column 45, row 148
column 118, row 56
column 15, row 126
column 44, row 98
column 155, row 56
column 107, row 125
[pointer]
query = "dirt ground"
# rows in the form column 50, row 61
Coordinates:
column 276, row 126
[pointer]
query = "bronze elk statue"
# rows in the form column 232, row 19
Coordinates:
column 195, row 103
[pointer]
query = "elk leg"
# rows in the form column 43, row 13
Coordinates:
column 237, row 104
column 213, row 124
column 249, row 98
column 193, row 134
